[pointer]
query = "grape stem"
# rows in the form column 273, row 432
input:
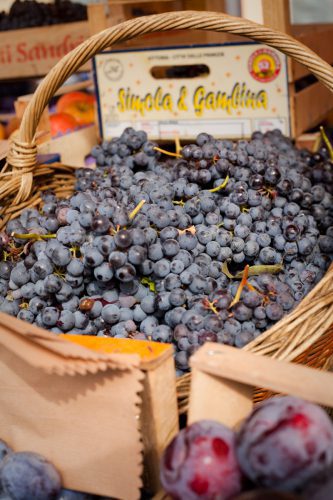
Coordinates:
column 5, row 256
column 177, row 155
column 60, row 273
column 190, row 229
column 74, row 251
column 150, row 283
column 248, row 271
column 33, row 236
column 225, row 270
column 241, row 286
column 221, row 186
column 268, row 192
column 211, row 305
column 137, row 209
column 261, row 269
column 253, row 270
column 114, row 231
column 178, row 145
column 326, row 141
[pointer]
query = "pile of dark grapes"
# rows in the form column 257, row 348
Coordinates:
column 31, row 13
column 216, row 243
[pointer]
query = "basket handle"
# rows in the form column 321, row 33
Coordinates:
column 22, row 153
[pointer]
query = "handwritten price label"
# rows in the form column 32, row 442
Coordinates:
column 34, row 51
column 26, row 52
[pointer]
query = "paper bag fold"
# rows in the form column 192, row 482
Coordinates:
column 55, row 354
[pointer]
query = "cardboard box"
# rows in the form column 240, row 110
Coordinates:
column 227, row 90
column 84, row 138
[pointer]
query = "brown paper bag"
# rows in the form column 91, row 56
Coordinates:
column 224, row 379
column 77, row 407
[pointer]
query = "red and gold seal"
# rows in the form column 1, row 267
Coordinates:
column 264, row 65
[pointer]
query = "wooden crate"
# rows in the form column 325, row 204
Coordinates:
column 310, row 101
column 32, row 52
column 102, row 16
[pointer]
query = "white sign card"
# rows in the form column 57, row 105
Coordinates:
column 224, row 90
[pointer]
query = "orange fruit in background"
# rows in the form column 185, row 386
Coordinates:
column 72, row 97
column 2, row 132
column 83, row 112
column 62, row 123
column 12, row 125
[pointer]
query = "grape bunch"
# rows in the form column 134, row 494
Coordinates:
column 32, row 13
column 214, row 243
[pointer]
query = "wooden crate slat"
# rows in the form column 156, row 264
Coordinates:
column 317, row 38
column 83, row 140
column 212, row 5
column 74, row 87
column 276, row 14
column 179, row 38
column 133, row 9
column 141, row 1
column 97, row 19
column 311, row 106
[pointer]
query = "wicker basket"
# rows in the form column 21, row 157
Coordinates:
column 305, row 335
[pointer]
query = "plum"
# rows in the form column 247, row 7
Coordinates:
column 28, row 475
column 284, row 442
column 320, row 487
column 200, row 463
